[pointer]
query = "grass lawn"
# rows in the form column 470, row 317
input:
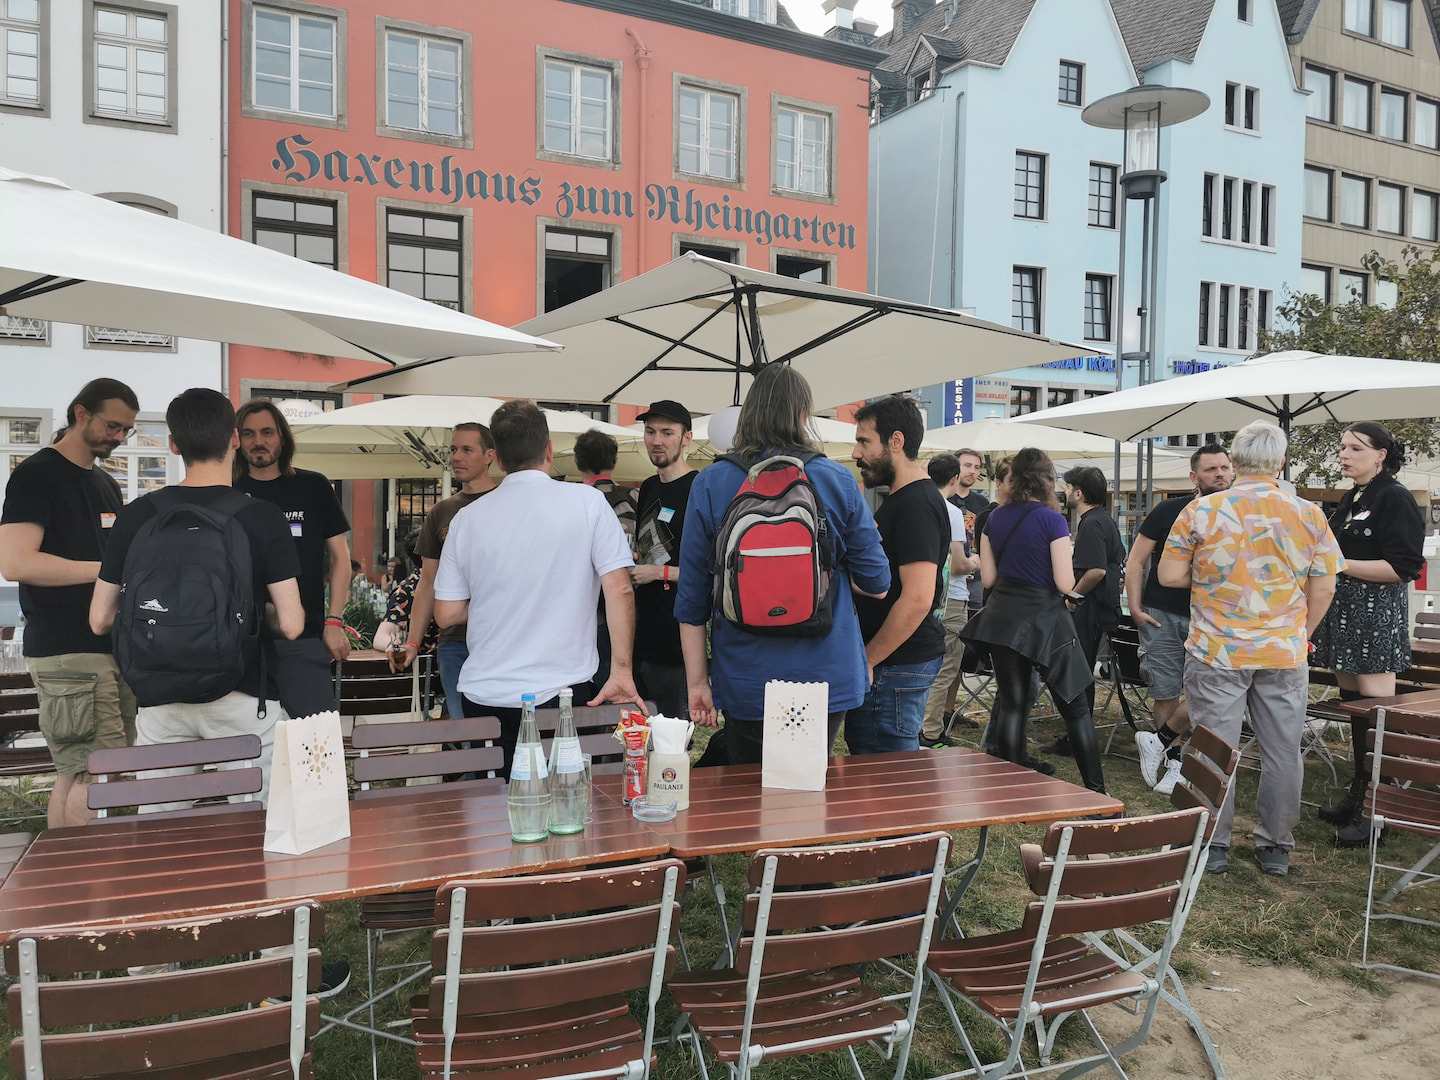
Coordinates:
column 1313, row 919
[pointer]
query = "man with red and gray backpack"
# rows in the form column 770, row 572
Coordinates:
column 776, row 540
column 904, row 632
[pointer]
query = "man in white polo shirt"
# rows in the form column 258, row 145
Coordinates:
column 524, row 568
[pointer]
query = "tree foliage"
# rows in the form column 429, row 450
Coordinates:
column 1408, row 331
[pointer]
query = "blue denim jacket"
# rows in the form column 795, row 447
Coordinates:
column 741, row 663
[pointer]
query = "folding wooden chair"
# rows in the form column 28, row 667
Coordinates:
column 1127, row 684
column 395, row 752
column 548, row 997
column 129, row 1024
column 366, row 687
column 1404, row 747
column 816, row 914
column 1039, row 974
column 173, row 775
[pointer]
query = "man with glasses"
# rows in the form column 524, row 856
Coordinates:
column 53, row 531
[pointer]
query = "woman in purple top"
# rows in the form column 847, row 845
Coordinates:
column 1025, row 625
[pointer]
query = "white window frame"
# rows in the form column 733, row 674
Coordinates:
column 130, row 452
column 23, row 330
column 804, row 152
column 1229, row 318
column 11, row 452
column 134, row 47
column 295, row 16
column 703, row 149
column 426, row 42
column 11, row 63
column 754, row 10
column 1227, row 202
column 1246, row 108
column 576, row 71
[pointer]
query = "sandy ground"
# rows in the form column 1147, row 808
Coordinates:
column 1284, row 1024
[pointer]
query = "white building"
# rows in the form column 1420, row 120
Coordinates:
column 121, row 100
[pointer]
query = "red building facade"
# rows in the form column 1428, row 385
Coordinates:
column 508, row 158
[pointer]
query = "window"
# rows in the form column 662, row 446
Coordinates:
column 422, row 83
column 1427, row 123
column 1395, row 23
column 1024, row 399
column 20, row 52
column 1355, row 201
column 1356, row 114
column 110, row 335
column 1389, row 209
column 1025, row 298
column 1321, row 85
column 709, row 133
column 722, row 254
column 1243, row 329
column 1351, row 287
column 1387, row 294
column 1060, row 395
column 1072, row 83
column 1318, row 183
column 1102, row 195
column 1267, row 216
column 1360, row 17
column 1315, row 281
column 1227, row 209
column 1207, row 205
column 795, row 266
column 1392, row 115
column 1222, row 328
column 922, row 86
column 577, row 265
column 1424, row 215
column 1098, row 290
column 304, row 228
column 423, row 254
column 1262, row 312
column 1207, row 291
column 802, row 151
column 1029, row 185
column 1247, row 210
column 132, row 64
column 21, row 328
column 1242, row 107
column 143, row 462
column 19, row 438
column 1242, row 11
column 758, row 10
column 577, row 110
column 294, row 63
column 1243, row 211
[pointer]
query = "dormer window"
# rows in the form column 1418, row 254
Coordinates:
column 923, row 85
column 756, row 10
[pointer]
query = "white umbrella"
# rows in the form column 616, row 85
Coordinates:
column 1004, row 436
column 419, row 426
column 70, row 257
column 697, row 329
column 1288, row 387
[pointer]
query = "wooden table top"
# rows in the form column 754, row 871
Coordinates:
column 1423, row 700
column 136, row 869
column 864, row 797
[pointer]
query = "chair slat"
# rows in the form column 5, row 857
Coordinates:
column 223, row 810
column 1207, row 781
column 483, row 759
column 534, row 988
column 1136, row 874
column 1399, row 721
column 836, row 907
column 175, row 755
column 560, row 894
column 547, row 942
column 832, row 948
column 464, row 729
column 1098, row 914
column 851, row 862
column 221, row 784
column 1123, row 834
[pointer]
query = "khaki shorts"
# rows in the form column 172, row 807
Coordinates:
column 84, row 706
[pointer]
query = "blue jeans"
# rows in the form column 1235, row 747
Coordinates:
column 893, row 711
column 451, row 656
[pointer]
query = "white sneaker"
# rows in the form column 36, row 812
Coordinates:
column 1152, row 756
column 1172, row 777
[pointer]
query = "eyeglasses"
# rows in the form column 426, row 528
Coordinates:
column 112, row 428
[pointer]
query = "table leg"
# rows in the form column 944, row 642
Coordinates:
column 966, row 872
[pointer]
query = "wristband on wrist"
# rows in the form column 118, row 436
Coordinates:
column 665, row 573
column 412, row 645
column 334, row 620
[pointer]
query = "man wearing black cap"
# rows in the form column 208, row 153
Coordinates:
column 659, row 664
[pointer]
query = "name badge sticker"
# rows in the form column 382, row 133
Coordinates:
column 296, row 529
column 1360, row 516
column 107, row 521
column 666, row 514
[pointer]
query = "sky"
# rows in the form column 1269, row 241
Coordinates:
column 809, row 16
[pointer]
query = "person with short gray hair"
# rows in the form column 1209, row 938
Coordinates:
column 1261, row 565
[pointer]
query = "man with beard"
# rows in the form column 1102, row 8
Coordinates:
column 664, row 497
column 472, row 452
column 1099, row 554
column 58, row 510
column 904, row 634
column 318, row 527
column 1163, row 618
column 971, row 503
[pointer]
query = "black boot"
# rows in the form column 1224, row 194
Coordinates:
column 1347, row 810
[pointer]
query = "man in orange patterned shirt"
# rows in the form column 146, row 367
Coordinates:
column 1261, row 565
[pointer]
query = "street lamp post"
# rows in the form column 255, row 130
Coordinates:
column 1141, row 112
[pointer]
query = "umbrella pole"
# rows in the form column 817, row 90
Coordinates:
column 392, row 512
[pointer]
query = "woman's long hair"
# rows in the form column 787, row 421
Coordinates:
column 1032, row 477
column 775, row 415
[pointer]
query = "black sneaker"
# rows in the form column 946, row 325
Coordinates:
column 334, row 978
column 1044, row 768
column 1060, row 747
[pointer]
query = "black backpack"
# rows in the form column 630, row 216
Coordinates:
column 187, row 624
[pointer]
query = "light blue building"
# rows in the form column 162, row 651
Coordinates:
column 989, row 193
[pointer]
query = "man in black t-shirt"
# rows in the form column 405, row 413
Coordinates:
column 59, row 510
column 664, row 497
column 1098, row 556
column 202, row 432
column 971, row 503
column 904, row 633
column 1162, row 616
column 318, row 527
